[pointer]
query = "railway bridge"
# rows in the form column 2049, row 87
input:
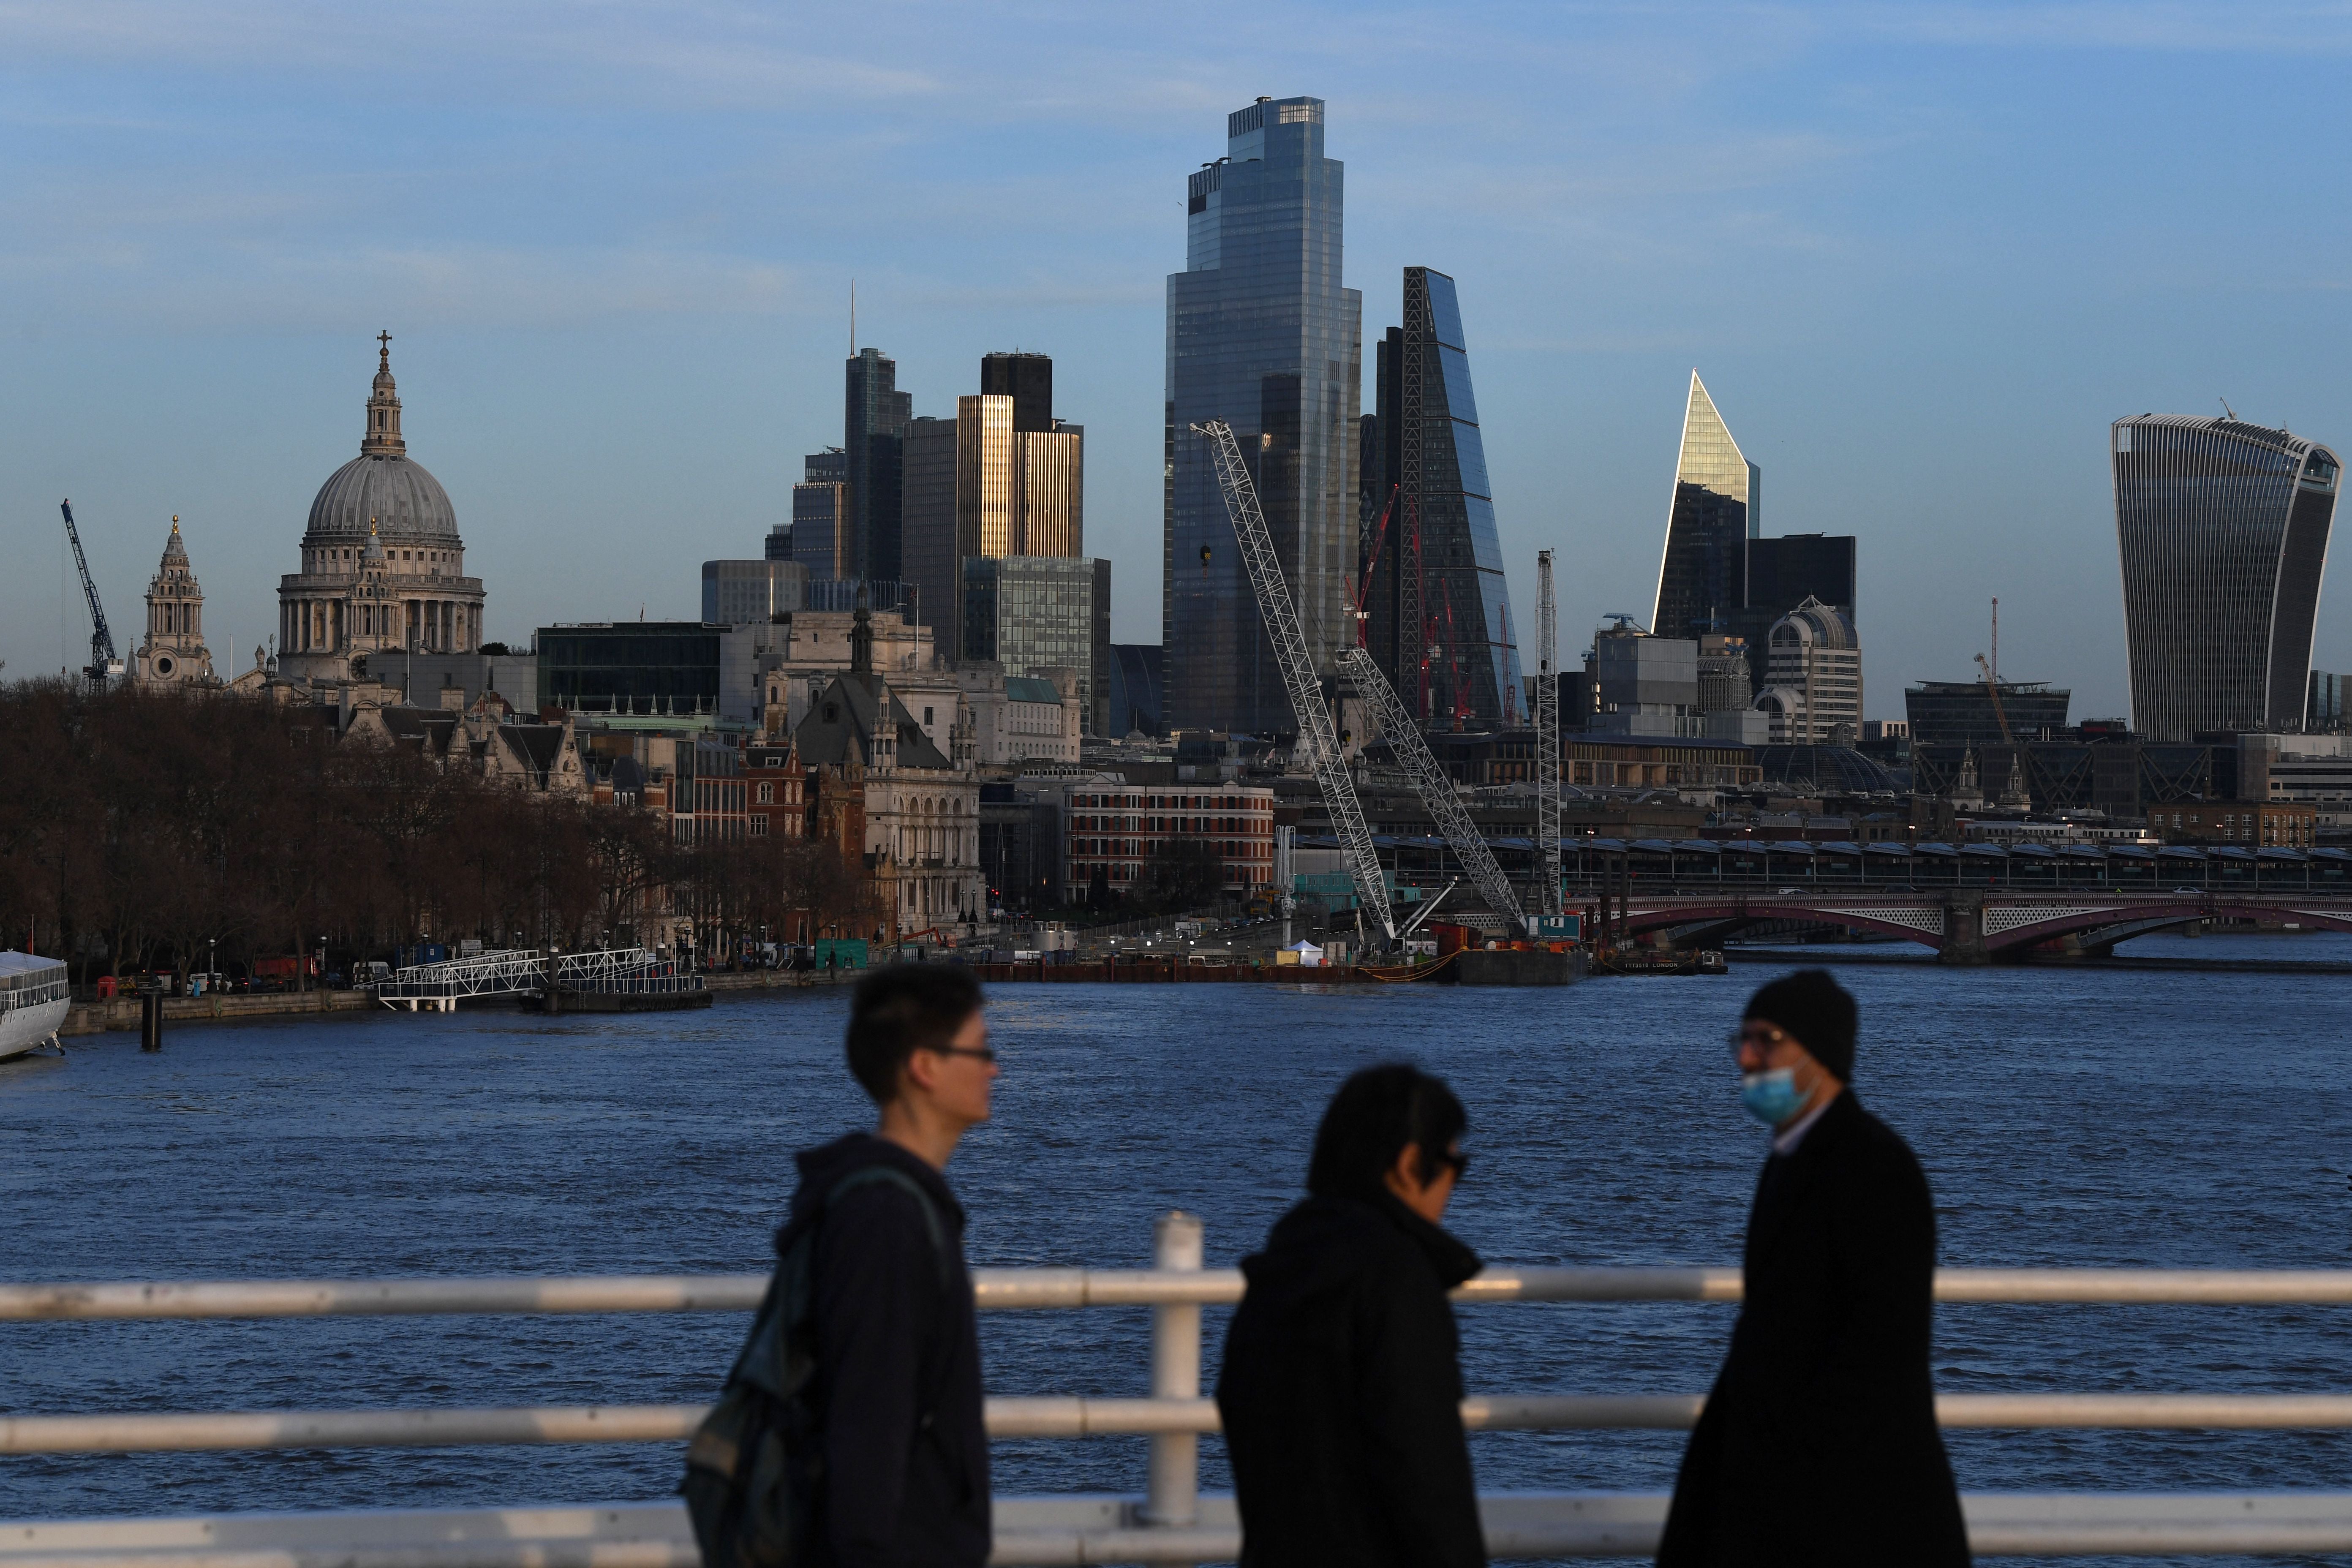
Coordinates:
column 1964, row 925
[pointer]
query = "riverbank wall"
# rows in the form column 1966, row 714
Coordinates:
column 122, row 1012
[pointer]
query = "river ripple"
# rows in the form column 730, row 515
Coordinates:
column 2194, row 1119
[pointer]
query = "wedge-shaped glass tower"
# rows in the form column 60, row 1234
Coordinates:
column 1717, row 508
column 1439, row 605
column 2223, row 529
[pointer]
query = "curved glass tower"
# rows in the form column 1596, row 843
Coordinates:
column 1439, row 605
column 2223, row 531
column 1262, row 336
column 1717, row 509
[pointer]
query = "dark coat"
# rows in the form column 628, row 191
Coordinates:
column 1819, row 1443
column 897, row 1374
column 1341, row 1394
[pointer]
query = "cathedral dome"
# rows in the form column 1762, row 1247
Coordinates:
column 388, row 489
column 383, row 486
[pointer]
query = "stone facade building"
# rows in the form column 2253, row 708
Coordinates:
column 919, row 804
column 383, row 564
column 173, row 652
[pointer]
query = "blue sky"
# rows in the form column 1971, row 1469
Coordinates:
column 1922, row 255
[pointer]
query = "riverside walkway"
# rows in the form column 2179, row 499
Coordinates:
column 1170, row 1520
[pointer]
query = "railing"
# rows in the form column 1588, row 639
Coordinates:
column 527, row 971
column 1172, row 1521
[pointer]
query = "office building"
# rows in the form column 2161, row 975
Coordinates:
column 1135, row 683
column 1717, row 508
column 1961, row 713
column 740, row 593
column 1028, row 380
column 1720, row 573
column 819, row 535
column 2222, row 527
column 1437, row 563
column 874, row 420
column 666, row 669
column 2323, row 713
column 1003, row 477
column 1784, row 573
column 1646, row 688
column 1262, row 335
column 1812, row 679
column 1031, row 613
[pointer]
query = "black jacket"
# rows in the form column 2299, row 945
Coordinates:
column 1819, row 1443
column 1341, row 1394
column 898, row 1375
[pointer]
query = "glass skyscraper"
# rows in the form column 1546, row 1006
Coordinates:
column 874, row 422
column 1035, row 613
column 1261, row 335
column 1440, row 563
column 1717, row 508
column 2223, row 531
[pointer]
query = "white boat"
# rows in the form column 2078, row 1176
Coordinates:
column 34, row 997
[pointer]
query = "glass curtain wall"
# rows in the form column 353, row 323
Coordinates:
column 2222, row 527
column 1717, row 508
column 1262, row 335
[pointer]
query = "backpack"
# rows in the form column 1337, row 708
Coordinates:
column 755, row 1468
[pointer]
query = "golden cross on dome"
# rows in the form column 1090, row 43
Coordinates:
column 384, row 352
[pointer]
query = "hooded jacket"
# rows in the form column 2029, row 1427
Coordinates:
column 897, row 1374
column 1341, row 1394
column 1819, row 1443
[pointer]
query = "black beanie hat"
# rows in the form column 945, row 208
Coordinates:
column 1817, row 1011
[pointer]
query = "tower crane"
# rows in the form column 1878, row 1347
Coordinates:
column 1547, row 740
column 1436, row 790
column 103, row 661
column 1992, row 688
column 1316, row 738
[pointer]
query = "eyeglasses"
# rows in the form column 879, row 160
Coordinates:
column 1764, row 1036
column 1459, row 1159
column 980, row 1053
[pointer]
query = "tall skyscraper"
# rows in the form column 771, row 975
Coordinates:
column 1717, row 508
column 1439, row 565
column 874, row 420
column 1261, row 335
column 1028, row 380
column 819, row 537
column 1003, row 478
column 1720, row 575
column 2223, row 532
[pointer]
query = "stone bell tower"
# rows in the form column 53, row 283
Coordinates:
column 173, row 653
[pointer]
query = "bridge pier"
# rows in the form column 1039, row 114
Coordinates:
column 1964, row 939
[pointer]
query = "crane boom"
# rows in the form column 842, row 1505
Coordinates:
column 1992, row 687
column 1547, row 739
column 102, row 658
column 1316, row 737
column 1435, row 789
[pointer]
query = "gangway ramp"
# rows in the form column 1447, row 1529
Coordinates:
column 516, row 972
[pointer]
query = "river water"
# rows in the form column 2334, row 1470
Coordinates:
column 2066, row 1117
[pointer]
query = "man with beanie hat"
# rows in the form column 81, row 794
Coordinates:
column 1818, row 1445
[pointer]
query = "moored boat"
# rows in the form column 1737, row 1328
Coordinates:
column 35, row 995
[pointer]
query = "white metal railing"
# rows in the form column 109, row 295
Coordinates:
column 1172, row 1521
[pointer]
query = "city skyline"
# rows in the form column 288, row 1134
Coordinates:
column 1996, row 300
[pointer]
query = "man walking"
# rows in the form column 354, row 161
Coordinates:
column 1819, row 1444
column 1341, row 1390
column 896, row 1389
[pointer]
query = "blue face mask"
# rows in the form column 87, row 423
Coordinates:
column 1772, row 1096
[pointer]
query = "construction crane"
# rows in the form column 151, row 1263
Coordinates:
column 103, row 661
column 1547, row 740
column 1992, row 688
column 1316, row 737
column 1436, row 790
